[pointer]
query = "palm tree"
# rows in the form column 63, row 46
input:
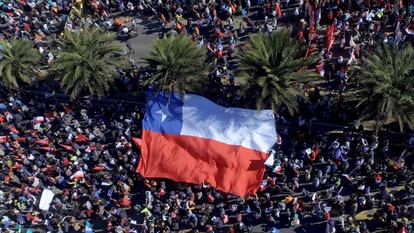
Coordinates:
column 271, row 69
column 17, row 62
column 88, row 60
column 385, row 91
column 179, row 65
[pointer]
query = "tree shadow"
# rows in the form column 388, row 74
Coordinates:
column 150, row 26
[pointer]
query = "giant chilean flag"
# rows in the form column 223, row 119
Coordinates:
column 191, row 139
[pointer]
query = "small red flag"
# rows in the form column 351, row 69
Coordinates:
column 44, row 141
column 278, row 10
column 403, row 230
column 68, row 110
column 330, row 36
column 98, row 168
column 311, row 26
column 20, row 139
column 13, row 129
column 31, row 132
column 67, row 147
column 39, row 119
column 3, row 139
column 66, row 161
column 81, row 138
column 46, row 148
column 2, row 119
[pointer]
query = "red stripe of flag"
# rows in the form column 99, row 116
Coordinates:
column 137, row 142
column 182, row 159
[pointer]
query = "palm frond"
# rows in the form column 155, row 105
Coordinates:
column 18, row 62
column 271, row 67
column 385, row 85
column 179, row 64
column 88, row 60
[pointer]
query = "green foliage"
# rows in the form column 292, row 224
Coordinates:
column 18, row 62
column 386, row 86
column 179, row 65
column 271, row 70
column 87, row 62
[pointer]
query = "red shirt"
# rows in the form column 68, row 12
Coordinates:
column 26, row 26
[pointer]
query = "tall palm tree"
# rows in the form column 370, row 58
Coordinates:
column 17, row 63
column 385, row 91
column 179, row 65
column 271, row 69
column 87, row 61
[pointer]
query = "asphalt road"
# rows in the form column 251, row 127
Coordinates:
column 148, row 31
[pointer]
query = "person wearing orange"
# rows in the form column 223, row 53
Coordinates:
column 117, row 22
column 278, row 9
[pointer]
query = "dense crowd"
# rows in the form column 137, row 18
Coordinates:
column 222, row 26
column 85, row 155
column 83, row 151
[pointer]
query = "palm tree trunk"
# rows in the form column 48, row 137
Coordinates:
column 378, row 126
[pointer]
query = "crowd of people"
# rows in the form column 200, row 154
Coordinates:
column 85, row 155
column 83, row 150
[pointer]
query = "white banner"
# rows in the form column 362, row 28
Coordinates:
column 46, row 199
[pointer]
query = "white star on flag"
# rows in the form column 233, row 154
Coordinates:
column 163, row 112
column 163, row 115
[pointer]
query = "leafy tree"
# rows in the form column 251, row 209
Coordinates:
column 88, row 60
column 271, row 70
column 17, row 63
column 385, row 91
column 179, row 65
